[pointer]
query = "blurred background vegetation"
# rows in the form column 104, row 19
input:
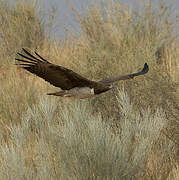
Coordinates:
column 128, row 133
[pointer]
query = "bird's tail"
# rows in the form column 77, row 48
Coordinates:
column 60, row 93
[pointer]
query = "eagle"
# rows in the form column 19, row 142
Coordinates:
column 71, row 83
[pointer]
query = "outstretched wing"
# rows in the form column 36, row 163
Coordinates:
column 129, row 76
column 55, row 75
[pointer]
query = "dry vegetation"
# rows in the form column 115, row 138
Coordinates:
column 131, row 133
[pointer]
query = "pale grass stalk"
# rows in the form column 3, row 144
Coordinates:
column 70, row 142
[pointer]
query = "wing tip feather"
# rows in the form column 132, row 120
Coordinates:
column 145, row 68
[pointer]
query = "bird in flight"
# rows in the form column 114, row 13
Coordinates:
column 71, row 83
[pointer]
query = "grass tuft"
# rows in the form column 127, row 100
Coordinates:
column 70, row 142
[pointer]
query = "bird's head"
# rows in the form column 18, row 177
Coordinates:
column 111, row 86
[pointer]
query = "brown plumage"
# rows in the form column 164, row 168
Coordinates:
column 70, row 82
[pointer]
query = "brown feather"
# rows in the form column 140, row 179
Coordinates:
column 65, row 78
column 56, row 75
column 124, row 77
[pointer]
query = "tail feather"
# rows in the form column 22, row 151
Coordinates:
column 60, row 93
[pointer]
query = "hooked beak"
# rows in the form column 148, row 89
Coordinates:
column 112, row 86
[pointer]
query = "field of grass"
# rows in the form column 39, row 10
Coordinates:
column 131, row 132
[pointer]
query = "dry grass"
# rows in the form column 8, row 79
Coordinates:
column 20, row 26
column 68, row 141
column 113, row 136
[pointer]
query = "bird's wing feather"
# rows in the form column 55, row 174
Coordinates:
column 124, row 77
column 56, row 75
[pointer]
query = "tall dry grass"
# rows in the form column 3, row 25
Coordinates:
column 57, row 141
column 105, row 137
column 21, row 25
column 121, row 40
